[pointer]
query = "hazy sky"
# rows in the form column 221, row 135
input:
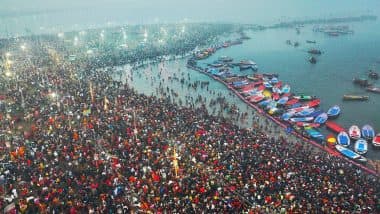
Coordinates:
column 85, row 12
column 201, row 10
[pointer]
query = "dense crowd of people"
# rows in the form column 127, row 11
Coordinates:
column 94, row 145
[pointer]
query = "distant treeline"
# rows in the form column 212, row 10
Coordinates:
column 315, row 21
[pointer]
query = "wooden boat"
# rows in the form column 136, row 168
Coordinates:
column 343, row 139
column 368, row 132
column 321, row 119
column 292, row 102
column 256, row 98
column 258, row 83
column 285, row 89
column 277, row 90
column 269, row 75
column 333, row 111
column 314, row 51
column 305, row 124
column 287, row 115
column 305, row 112
column 216, row 64
column 354, row 132
column 314, row 103
column 278, row 84
column 274, row 80
column 297, row 105
column 312, row 60
column 376, row 140
column 232, row 79
column 245, row 67
column 311, row 41
column 248, row 87
column 275, row 96
column 374, row 89
column 334, row 126
column 271, row 104
column 349, row 97
column 267, row 85
column 298, row 109
column 240, row 83
column 225, row 59
column 316, row 113
column 350, row 154
column 254, row 78
column 247, row 62
column 264, row 102
column 251, row 92
column 260, row 88
column 361, row 82
column 304, row 97
column 282, row 100
column 301, row 119
column 361, row 146
column 373, row 75
column 332, row 33
column 314, row 133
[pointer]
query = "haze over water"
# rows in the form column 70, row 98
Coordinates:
column 19, row 17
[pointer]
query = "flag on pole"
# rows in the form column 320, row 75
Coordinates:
column 175, row 162
column 106, row 102
column 91, row 92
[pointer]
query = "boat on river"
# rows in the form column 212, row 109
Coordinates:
column 313, row 133
column 354, row 132
column 304, row 97
column 321, row 119
column 333, row 126
column 316, row 113
column 257, row 98
column 349, row 97
column 285, row 89
column 373, row 75
column 248, row 64
column 376, row 141
column 287, row 115
column 283, row 100
column 305, row 112
column 361, row 146
column 301, row 119
column 312, row 60
column 292, row 102
column 361, row 82
column 333, row 111
column 314, row 51
column 225, row 59
column 343, row 139
column 373, row 89
column 368, row 132
column 306, row 124
column 314, row 103
column 350, row 154
column 267, row 85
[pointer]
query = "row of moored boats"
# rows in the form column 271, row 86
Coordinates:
column 298, row 111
